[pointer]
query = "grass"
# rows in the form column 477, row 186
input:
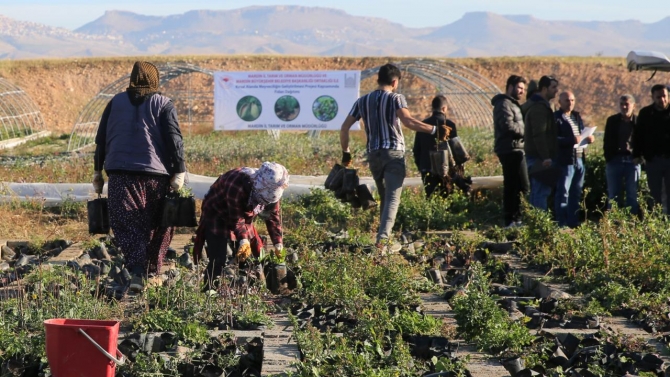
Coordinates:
column 617, row 260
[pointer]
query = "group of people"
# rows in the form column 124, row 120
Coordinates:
column 543, row 151
column 140, row 146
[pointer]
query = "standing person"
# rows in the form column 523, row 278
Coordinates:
column 540, row 139
column 570, row 161
column 140, row 146
column 651, row 142
column 531, row 89
column 424, row 143
column 508, row 128
column 620, row 169
column 382, row 111
column 228, row 212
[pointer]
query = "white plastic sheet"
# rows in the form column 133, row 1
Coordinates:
column 56, row 193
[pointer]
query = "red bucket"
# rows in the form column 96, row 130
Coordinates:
column 82, row 347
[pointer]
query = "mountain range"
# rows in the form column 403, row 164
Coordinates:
column 318, row 31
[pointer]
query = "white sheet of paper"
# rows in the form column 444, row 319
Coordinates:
column 588, row 131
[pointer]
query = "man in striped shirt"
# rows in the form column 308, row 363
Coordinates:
column 570, row 161
column 382, row 111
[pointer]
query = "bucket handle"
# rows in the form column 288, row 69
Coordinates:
column 119, row 362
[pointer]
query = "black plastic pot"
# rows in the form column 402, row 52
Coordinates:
column 365, row 197
column 275, row 277
column 179, row 211
column 98, row 216
column 513, row 365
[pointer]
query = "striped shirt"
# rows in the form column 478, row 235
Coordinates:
column 575, row 131
column 378, row 110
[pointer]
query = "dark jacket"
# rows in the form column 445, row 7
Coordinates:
column 139, row 135
column 508, row 127
column 566, row 138
column 424, row 143
column 611, row 139
column 540, row 137
column 652, row 133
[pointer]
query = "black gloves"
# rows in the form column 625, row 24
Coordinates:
column 346, row 159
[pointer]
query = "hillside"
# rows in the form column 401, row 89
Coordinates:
column 62, row 87
column 320, row 31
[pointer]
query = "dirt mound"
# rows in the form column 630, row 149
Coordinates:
column 62, row 87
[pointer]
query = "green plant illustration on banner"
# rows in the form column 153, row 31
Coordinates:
column 287, row 108
column 325, row 108
column 249, row 108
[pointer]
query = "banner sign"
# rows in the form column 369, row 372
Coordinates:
column 284, row 100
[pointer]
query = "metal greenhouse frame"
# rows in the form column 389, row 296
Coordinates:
column 468, row 93
column 19, row 115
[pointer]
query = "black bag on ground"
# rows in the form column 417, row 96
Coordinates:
column 331, row 176
column 179, row 211
column 98, row 216
column 458, row 151
column 365, row 197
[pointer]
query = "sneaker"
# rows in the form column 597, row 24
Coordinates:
column 386, row 247
column 137, row 283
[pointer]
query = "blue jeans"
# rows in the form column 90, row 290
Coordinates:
column 623, row 174
column 539, row 192
column 569, row 193
column 388, row 171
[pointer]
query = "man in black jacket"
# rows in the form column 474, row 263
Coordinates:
column 509, row 131
column 620, row 169
column 651, row 141
column 424, row 143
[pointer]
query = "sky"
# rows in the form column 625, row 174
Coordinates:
column 72, row 14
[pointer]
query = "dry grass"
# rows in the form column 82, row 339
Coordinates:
column 31, row 221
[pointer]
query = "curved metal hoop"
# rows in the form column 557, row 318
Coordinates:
column 19, row 115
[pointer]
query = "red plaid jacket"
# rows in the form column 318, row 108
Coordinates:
column 225, row 209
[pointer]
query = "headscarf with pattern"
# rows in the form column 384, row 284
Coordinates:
column 143, row 78
column 269, row 182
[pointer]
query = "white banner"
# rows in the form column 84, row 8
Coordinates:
column 284, row 100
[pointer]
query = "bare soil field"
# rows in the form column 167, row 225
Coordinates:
column 62, row 87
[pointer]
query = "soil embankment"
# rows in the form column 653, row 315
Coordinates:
column 62, row 87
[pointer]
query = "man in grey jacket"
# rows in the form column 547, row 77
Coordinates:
column 509, row 132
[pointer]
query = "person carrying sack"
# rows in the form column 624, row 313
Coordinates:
column 424, row 144
column 228, row 212
column 382, row 112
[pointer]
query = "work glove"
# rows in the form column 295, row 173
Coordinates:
column 443, row 132
column 98, row 182
column 346, row 159
column 278, row 250
column 243, row 251
column 177, row 181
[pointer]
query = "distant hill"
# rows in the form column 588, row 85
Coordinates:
column 317, row 31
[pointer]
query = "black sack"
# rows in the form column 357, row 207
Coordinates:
column 331, row 176
column 365, row 197
column 178, row 211
column 458, row 151
column 338, row 179
column 350, row 180
column 98, row 216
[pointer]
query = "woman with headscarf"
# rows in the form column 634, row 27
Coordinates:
column 140, row 146
column 228, row 212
